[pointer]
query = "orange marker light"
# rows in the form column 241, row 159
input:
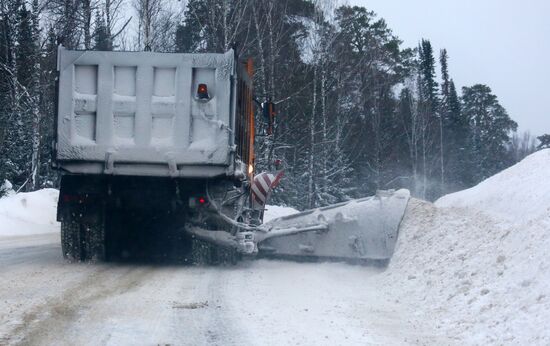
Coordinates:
column 202, row 92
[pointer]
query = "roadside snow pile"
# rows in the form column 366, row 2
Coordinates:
column 275, row 211
column 481, row 278
column 29, row 213
column 520, row 193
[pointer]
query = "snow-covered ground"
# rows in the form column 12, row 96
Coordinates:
column 520, row 193
column 45, row 301
column 28, row 213
column 477, row 262
column 472, row 269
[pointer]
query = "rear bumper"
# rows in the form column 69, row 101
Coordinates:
column 127, row 193
column 147, row 170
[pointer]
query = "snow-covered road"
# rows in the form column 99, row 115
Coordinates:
column 48, row 301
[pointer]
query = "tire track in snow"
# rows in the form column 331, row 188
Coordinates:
column 54, row 318
column 109, row 304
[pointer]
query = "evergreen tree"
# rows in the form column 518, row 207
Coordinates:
column 427, row 71
column 48, row 63
column 373, row 65
column 445, row 84
column 67, row 16
column 459, row 155
column 491, row 127
column 544, row 142
column 431, row 125
column 102, row 36
column 190, row 32
column 456, row 132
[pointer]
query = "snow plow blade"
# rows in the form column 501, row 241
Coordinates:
column 358, row 231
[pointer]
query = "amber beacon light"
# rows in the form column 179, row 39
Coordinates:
column 202, row 92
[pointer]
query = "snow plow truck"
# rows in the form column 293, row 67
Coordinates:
column 157, row 156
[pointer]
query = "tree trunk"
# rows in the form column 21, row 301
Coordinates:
column 311, row 178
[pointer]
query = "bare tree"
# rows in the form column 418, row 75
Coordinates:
column 85, row 18
column 522, row 145
column 221, row 22
column 157, row 25
column 66, row 18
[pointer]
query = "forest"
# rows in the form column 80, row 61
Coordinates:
column 355, row 110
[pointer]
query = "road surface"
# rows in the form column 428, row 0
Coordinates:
column 45, row 300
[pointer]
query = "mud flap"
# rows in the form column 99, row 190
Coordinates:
column 358, row 230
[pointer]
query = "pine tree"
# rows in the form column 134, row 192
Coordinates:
column 491, row 127
column 460, row 153
column 371, row 63
column 67, row 17
column 5, row 93
column 102, row 37
column 48, row 63
column 427, row 70
column 190, row 33
column 455, row 132
column 431, row 136
column 544, row 141
column 445, row 79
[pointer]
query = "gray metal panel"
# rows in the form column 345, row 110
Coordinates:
column 361, row 229
column 156, row 123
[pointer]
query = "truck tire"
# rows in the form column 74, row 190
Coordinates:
column 201, row 252
column 70, row 230
column 83, row 235
column 226, row 256
column 204, row 253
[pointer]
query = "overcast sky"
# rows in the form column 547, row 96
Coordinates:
column 502, row 43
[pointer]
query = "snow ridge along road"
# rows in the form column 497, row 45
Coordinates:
column 477, row 262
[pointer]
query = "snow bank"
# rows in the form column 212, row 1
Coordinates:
column 29, row 213
column 481, row 278
column 519, row 193
column 275, row 211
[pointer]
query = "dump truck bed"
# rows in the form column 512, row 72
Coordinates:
column 137, row 113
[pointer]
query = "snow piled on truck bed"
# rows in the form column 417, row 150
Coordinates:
column 29, row 213
column 477, row 262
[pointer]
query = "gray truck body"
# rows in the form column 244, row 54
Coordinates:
column 137, row 113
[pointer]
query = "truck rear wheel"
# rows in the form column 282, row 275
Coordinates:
column 83, row 235
column 204, row 253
